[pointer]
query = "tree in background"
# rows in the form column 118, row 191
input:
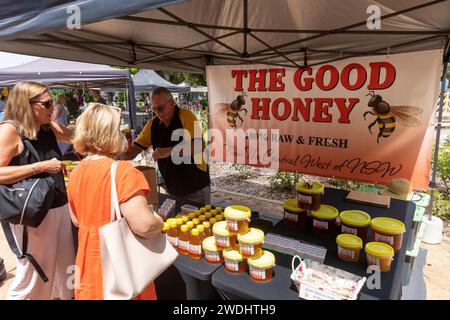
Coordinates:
column 192, row 79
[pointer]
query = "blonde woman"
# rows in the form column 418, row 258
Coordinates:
column 98, row 137
column 28, row 116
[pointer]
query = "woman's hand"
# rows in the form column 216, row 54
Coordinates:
column 49, row 166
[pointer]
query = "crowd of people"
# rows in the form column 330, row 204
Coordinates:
column 31, row 114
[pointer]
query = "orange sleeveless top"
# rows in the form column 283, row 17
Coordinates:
column 89, row 192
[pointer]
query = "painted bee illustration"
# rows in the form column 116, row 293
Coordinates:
column 387, row 115
column 233, row 109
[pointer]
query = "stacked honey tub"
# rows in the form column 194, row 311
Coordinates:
column 222, row 237
column 386, row 233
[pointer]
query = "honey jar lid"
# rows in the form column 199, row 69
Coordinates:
column 166, row 226
column 201, row 218
column 266, row 260
column 214, row 212
column 349, row 241
column 219, row 217
column 355, row 218
column 219, row 209
column 203, row 210
column 252, row 236
column 220, row 228
column 387, row 225
column 200, row 228
column 195, row 232
column 209, row 244
column 195, row 221
column 184, row 228
column 191, row 215
column 179, row 221
column 213, row 221
column 190, row 224
column 292, row 205
column 173, row 224
column 232, row 255
column 379, row 249
column 326, row 212
column 170, row 220
column 314, row 187
column 208, row 215
column 208, row 207
column 206, row 224
column 185, row 219
column 237, row 212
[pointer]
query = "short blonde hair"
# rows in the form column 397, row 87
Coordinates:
column 18, row 109
column 98, row 131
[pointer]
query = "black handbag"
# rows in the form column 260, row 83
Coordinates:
column 26, row 202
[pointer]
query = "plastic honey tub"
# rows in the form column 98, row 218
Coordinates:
column 309, row 195
column 234, row 262
column 324, row 221
column 212, row 253
column 349, row 247
column 379, row 254
column 355, row 222
column 261, row 269
column 251, row 243
column 237, row 218
column 389, row 231
column 294, row 216
column 224, row 239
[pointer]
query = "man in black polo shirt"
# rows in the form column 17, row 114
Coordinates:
column 188, row 182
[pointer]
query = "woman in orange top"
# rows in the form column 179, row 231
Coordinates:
column 97, row 136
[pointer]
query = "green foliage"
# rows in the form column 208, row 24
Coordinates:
column 191, row 79
column 284, row 181
column 441, row 205
column 443, row 165
column 243, row 171
column 133, row 71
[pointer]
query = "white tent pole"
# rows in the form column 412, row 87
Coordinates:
column 438, row 135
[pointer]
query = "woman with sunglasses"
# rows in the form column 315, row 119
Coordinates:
column 28, row 116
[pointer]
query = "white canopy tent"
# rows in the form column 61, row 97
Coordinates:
column 147, row 80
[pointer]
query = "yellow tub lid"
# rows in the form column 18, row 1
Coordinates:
column 209, row 244
column 349, row 241
column 292, row 205
column 237, row 212
column 355, row 218
column 232, row 255
column 326, row 212
column 220, row 228
column 317, row 187
column 266, row 260
column 388, row 225
column 252, row 236
column 379, row 249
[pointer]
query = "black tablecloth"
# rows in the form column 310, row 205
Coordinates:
column 280, row 287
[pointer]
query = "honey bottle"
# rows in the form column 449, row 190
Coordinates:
column 179, row 224
column 201, row 218
column 165, row 228
column 208, row 231
column 183, row 240
column 195, row 245
column 212, row 221
column 214, row 213
column 185, row 219
column 191, row 215
column 195, row 222
column 208, row 216
column 208, row 207
column 172, row 234
column 190, row 225
column 201, row 230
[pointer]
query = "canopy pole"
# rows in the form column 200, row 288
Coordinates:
column 438, row 134
column 131, row 99
column 245, row 52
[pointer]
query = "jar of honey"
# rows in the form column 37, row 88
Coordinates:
column 309, row 195
column 195, row 245
column 166, row 228
column 294, row 216
column 349, row 247
column 355, row 222
column 201, row 218
column 183, row 240
column 214, row 213
column 202, row 211
column 207, row 216
column 172, row 234
column 190, row 225
column 212, row 221
column 251, row 243
column 208, row 207
column 212, row 253
column 195, row 221
column 208, row 230
column 234, row 262
column 191, row 215
column 324, row 221
column 179, row 223
column 379, row 254
column 237, row 218
column 261, row 268
column 201, row 230
column 389, row 231
column 224, row 239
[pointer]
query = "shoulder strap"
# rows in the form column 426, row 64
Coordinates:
column 30, row 148
column 115, row 208
column 22, row 254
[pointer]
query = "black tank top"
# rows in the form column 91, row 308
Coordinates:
column 47, row 148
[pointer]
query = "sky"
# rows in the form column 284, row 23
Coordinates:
column 12, row 59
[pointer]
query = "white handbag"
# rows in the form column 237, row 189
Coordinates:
column 129, row 263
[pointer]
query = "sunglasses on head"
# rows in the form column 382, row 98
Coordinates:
column 47, row 104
